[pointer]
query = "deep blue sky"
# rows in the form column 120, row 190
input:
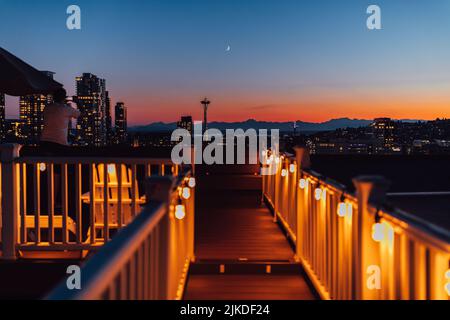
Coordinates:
column 289, row 59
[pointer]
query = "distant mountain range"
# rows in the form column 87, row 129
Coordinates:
column 282, row 126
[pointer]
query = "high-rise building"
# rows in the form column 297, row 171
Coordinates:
column 91, row 99
column 383, row 129
column 108, row 120
column 186, row 123
column 31, row 113
column 2, row 118
column 120, row 118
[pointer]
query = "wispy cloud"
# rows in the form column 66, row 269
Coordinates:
column 263, row 107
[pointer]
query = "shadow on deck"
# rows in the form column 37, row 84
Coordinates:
column 241, row 253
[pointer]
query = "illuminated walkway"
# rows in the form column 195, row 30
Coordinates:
column 153, row 230
column 240, row 252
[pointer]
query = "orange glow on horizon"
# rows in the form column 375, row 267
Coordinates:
column 315, row 107
column 313, row 112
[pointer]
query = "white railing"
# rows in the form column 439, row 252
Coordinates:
column 150, row 257
column 64, row 207
column 351, row 246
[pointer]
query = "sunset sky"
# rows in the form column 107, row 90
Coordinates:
column 289, row 59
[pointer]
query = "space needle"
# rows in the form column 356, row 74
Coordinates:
column 205, row 102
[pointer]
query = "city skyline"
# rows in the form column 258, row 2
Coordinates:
column 289, row 61
column 93, row 127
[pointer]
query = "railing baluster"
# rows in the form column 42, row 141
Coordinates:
column 134, row 196
column 140, row 274
column 65, row 202
column 51, row 203
column 10, row 211
column 23, row 203
column 105, row 203
column 92, row 202
column 132, row 277
column 154, row 265
column 146, row 283
column 123, row 284
column 120, row 219
column 78, row 207
column 112, row 291
column 37, row 203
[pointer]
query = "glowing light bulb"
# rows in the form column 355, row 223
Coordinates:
column 318, row 193
column 302, row 183
column 349, row 210
column 292, row 168
column 42, row 167
column 324, row 194
column 111, row 168
column 378, row 232
column 342, row 209
column 283, row 172
column 180, row 212
column 186, row 193
column 191, row 182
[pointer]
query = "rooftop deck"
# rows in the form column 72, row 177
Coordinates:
column 144, row 228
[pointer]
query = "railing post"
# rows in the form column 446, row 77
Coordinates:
column 370, row 190
column 158, row 188
column 10, row 200
column 303, row 162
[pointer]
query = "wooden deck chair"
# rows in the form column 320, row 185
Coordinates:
column 44, row 222
column 57, row 225
column 113, row 197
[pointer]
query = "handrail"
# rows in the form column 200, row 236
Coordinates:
column 53, row 205
column 96, row 159
column 417, row 225
column 150, row 257
column 101, row 270
column 341, row 237
column 420, row 225
column 147, row 259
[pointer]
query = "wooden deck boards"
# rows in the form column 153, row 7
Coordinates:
column 232, row 232
column 244, row 233
column 248, row 287
column 233, row 225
